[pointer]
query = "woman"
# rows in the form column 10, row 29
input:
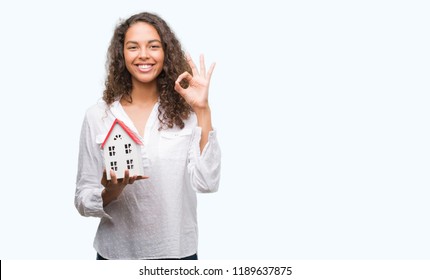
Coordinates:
column 159, row 93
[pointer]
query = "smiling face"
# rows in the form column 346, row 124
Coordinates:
column 143, row 53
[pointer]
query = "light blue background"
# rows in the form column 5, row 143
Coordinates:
column 322, row 111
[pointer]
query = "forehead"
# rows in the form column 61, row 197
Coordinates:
column 141, row 31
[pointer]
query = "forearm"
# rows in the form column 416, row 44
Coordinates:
column 89, row 202
column 204, row 120
column 109, row 196
column 204, row 167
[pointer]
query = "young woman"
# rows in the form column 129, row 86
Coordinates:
column 160, row 95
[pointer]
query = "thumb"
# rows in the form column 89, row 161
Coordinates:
column 104, row 180
column 184, row 76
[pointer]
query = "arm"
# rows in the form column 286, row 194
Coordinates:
column 88, row 198
column 204, row 168
column 114, row 187
column 92, row 195
column 204, row 120
column 196, row 94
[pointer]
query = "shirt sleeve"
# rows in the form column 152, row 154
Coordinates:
column 88, row 199
column 204, row 168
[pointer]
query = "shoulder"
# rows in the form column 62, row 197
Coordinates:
column 97, row 111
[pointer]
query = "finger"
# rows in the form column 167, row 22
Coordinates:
column 126, row 177
column 134, row 179
column 137, row 178
column 202, row 66
column 187, row 76
column 184, row 76
column 178, row 88
column 104, row 180
column 211, row 69
column 113, row 178
column 192, row 65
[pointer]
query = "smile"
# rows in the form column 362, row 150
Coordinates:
column 144, row 67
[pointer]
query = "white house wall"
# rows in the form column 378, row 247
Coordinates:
column 120, row 156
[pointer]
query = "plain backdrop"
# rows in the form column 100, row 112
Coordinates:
column 321, row 107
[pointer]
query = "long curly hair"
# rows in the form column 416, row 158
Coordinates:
column 173, row 109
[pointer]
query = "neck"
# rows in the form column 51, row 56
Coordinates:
column 144, row 93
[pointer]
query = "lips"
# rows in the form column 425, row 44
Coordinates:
column 144, row 67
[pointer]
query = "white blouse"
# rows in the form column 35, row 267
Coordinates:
column 156, row 217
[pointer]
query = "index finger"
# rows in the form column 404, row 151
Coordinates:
column 192, row 65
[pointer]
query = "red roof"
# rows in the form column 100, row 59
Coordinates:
column 126, row 129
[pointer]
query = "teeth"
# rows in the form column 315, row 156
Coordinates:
column 146, row 66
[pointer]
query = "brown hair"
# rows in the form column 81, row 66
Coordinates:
column 173, row 108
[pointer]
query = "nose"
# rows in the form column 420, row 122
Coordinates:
column 143, row 53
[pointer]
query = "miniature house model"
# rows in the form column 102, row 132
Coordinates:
column 122, row 151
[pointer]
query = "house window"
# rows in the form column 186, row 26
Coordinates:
column 112, row 151
column 130, row 164
column 118, row 136
column 127, row 148
column 113, row 166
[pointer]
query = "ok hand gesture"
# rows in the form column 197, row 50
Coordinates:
column 196, row 94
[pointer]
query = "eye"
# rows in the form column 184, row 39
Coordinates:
column 154, row 46
column 131, row 48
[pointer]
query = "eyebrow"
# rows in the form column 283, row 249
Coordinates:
column 149, row 41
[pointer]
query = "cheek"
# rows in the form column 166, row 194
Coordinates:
column 128, row 58
column 160, row 57
column 161, row 60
